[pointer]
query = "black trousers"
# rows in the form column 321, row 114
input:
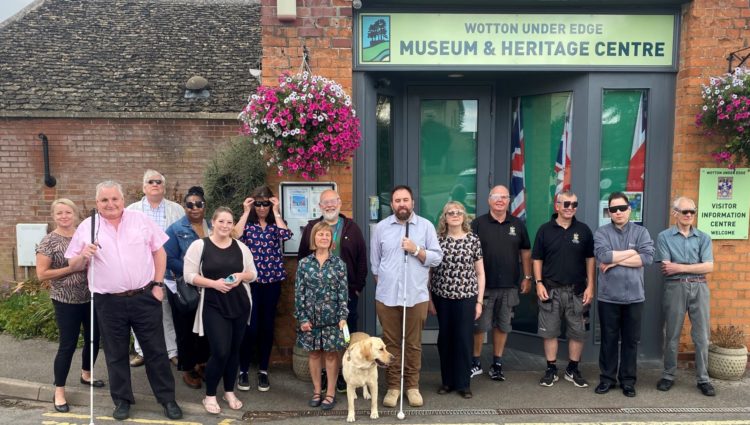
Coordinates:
column 193, row 349
column 143, row 313
column 455, row 339
column 620, row 323
column 224, row 337
column 260, row 331
column 70, row 318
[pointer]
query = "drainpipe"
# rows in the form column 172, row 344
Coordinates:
column 49, row 181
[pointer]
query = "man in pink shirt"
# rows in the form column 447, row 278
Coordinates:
column 126, row 271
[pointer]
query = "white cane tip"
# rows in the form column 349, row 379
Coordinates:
column 400, row 415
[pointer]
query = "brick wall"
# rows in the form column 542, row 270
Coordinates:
column 325, row 28
column 710, row 30
column 83, row 152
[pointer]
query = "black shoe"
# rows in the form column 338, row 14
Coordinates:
column 341, row 384
column 62, row 408
column 172, row 410
column 603, row 388
column 628, row 390
column 243, row 382
column 326, row 404
column 263, row 383
column 664, row 384
column 122, row 410
column 549, row 378
column 707, row 389
column 465, row 394
column 496, row 372
column 96, row 383
column 444, row 389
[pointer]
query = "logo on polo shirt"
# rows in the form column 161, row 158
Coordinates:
column 512, row 231
column 575, row 238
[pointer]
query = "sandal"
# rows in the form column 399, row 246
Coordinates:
column 211, row 407
column 315, row 400
column 328, row 405
column 233, row 402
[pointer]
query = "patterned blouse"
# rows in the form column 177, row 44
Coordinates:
column 70, row 289
column 321, row 294
column 266, row 248
column 456, row 276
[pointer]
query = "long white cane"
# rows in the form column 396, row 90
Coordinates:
column 400, row 414
column 91, row 324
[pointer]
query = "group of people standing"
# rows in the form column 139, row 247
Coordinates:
column 470, row 274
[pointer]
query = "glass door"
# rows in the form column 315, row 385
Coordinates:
column 447, row 152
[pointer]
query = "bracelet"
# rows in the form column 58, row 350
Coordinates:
column 155, row 283
column 539, row 282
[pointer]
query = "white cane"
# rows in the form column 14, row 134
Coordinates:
column 91, row 324
column 400, row 414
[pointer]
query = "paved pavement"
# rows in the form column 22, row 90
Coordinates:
column 26, row 372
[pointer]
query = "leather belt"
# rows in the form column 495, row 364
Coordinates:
column 133, row 292
column 688, row 280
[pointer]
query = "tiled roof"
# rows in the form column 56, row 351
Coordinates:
column 129, row 55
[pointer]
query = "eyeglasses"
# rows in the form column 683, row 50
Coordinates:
column 499, row 197
column 568, row 204
column 329, row 203
column 259, row 204
column 195, row 205
column 686, row 212
column 454, row 213
column 156, row 182
column 620, row 208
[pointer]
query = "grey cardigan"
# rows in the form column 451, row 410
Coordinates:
column 621, row 284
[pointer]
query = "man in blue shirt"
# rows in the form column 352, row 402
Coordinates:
column 393, row 256
column 686, row 257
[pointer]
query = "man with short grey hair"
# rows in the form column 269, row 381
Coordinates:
column 163, row 212
column 686, row 257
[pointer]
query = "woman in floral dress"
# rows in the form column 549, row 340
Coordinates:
column 321, row 295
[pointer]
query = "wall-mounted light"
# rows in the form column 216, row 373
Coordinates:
column 286, row 10
column 357, row 4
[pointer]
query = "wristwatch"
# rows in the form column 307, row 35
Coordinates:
column 416, row 252
column 159, row 284
column 528, row 277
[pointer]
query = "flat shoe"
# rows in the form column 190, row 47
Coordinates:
column 444, row 389
column 96, row 383
column 234, row 404
column 465, row 394
column 328, row 405
column 62, row 408
column 315, row 400
column 211, row 407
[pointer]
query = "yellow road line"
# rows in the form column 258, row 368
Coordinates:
column 109, row 418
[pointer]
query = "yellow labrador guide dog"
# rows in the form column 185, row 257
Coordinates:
column 361, row 361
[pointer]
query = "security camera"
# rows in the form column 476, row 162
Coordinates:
column 357, row 4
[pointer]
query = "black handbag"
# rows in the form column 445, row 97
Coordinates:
column 187, row 296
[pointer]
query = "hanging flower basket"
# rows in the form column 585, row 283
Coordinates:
column 304, row 126
column 726, row 112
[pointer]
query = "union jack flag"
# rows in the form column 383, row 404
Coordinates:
column 518, row 173
column 562, row 164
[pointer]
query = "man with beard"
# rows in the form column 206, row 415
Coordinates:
column 349, row 244
column 128, row 262
column 400, row 234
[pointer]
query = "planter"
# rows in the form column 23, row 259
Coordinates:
column 300, row 364
column 727, row 363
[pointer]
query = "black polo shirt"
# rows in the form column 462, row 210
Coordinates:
column 501, row 248
column 564, row 252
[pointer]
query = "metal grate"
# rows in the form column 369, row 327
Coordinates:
column 282, row 414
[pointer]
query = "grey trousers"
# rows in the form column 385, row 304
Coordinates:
column 693, row 298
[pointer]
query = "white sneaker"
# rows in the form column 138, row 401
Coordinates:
column 475, row 370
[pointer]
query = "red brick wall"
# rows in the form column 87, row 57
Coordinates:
column 325, row 28
column 83, row 152
column 710, row 30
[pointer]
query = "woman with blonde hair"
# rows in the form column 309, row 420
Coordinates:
column 456, row 292
column 222, row 267
column 321, row 295
column 70, row 297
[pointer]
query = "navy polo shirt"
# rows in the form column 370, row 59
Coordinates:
column 501, row 248
column 564, row 252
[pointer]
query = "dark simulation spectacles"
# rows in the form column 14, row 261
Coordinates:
column 568, row 204
column 262, row 204
column 454, row 213
column 620, row 208
column 686, row 212
column 195, row 205
column 156, row 182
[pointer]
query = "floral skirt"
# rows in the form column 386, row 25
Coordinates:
column 328, row 338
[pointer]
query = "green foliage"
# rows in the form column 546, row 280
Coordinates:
column 27, row 312
column 232, row 174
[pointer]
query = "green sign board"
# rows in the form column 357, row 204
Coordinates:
column 514, row 40
column 724, row 202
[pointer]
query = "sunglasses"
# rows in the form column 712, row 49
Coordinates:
column 568, row 204
column 156, row 182
column 499, row 197
column 686, row 212
column 454, row 213
column 259, row 204
column 195, row 205
column 620, row 208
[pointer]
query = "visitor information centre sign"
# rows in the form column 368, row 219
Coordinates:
column 513, row 40
column 723, row 202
